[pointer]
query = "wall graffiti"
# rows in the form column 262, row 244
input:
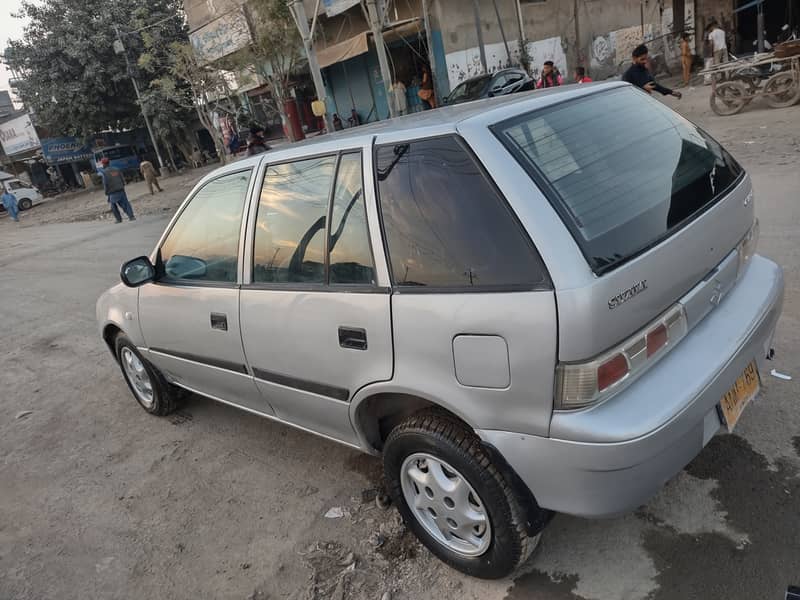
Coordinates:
column 463, row 64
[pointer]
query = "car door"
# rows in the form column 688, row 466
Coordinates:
column 190, row 315
column 316, row 326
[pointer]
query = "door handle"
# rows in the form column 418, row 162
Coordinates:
column 219, row 321
column 353, row 338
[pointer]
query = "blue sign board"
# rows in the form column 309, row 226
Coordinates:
column 63, row 150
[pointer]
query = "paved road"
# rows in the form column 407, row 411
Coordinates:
column 100, row 500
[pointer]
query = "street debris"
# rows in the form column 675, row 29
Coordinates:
column 24, row 413
column 337, row 512
column 780, row 375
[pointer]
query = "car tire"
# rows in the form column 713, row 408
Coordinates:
column 151, row 390
column 25, row 204
column 412, row 450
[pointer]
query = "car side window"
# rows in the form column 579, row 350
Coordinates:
column 350, row 252
column 445, row 223
column 203, row 244
column 289, row 245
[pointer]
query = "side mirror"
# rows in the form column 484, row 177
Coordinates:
column 137, row 271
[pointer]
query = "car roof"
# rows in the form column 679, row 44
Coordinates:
column 428, row 123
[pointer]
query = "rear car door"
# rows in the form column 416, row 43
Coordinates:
column 190, row 315
column 315, row 325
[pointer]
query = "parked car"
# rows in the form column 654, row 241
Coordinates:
column 500, row 83
column 27, row 195
column 536, row 303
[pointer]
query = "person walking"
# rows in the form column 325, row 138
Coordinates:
column 197, row 158
column 148, row 171
column 686, row 59
column 550, row 76
column 719, row 47
column 114, row 187
column 639, row 75
column 9, row 201
column 580, row 75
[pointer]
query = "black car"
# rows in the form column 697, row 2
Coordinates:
column 500, row 83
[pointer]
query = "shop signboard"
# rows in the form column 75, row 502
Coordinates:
column 63, row 150
column 18, row 135
column 221, row 37
column 335, row 7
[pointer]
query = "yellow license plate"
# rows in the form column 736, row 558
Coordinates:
column 736, row 398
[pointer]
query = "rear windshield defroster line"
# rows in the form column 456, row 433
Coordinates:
column 622, row 170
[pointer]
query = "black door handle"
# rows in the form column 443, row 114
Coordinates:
column 219, row 321
column 353, row 338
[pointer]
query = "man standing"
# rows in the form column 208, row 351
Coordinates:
column 638, row 74
column 550, row 76
column 686, row 58
column 114, row 187
column 9, row 201
column 719, row 46
column 148, row 171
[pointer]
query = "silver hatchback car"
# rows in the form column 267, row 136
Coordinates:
column 537, row 303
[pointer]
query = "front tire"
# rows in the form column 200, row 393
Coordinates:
column 25, row 204
column 151, row 390
column 454, row 498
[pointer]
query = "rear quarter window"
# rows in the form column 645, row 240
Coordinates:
column 623, row 170
column 445, row 224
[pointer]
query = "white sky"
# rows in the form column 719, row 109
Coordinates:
column 10, row 29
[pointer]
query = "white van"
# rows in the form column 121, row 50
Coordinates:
column 26, row 194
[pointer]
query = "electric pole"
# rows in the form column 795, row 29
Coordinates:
column 301, row 20
column 477, row 11
column 376, row 23
column 119, row 48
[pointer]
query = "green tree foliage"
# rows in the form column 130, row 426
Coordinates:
column 73, row 80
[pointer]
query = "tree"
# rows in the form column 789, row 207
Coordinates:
column 194, row 84
column 70, row 76
column 275, row 51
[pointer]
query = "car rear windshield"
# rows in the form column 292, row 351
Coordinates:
column 623, row 170
column 470, row 90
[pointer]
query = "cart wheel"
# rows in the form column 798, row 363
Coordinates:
column 782, row 90
column 751, row 86
column 729, row 98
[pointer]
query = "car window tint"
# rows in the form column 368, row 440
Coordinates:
column 290, row 225
column 203, row 245
column 350, row 254
column 445, row 223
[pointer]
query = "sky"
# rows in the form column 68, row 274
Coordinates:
column 9, row 29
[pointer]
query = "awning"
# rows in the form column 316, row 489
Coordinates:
column 359, row 44
column 350, row 48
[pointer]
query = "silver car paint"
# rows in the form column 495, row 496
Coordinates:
column 618, row 452
column 610, row 459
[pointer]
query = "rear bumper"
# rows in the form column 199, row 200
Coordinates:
column 612, row 458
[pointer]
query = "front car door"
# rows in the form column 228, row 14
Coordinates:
column 316, row 326
column 190, row 315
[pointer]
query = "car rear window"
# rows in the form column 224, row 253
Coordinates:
column 623, row 170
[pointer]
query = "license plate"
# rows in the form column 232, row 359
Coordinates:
column 736, row 398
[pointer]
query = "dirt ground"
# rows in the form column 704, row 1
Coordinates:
column 100, row 500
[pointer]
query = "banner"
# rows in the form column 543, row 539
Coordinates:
column 61, row 150
column 18, row 135
column 222, row 36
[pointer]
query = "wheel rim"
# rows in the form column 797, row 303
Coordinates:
column 445, row 504
column 138, row 377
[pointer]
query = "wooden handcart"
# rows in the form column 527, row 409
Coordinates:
column 737, row 82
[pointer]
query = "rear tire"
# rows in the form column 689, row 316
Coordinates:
column 454, row 498
column 151, row 390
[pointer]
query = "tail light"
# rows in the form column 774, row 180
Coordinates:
column 580, row 385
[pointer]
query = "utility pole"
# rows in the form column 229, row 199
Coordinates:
column 301, row 20
column 502, row 32
column 431, row 58
column 119, row 48
column 760, row 24
column 376, row 23
column 482, row 50
column 578, row 53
